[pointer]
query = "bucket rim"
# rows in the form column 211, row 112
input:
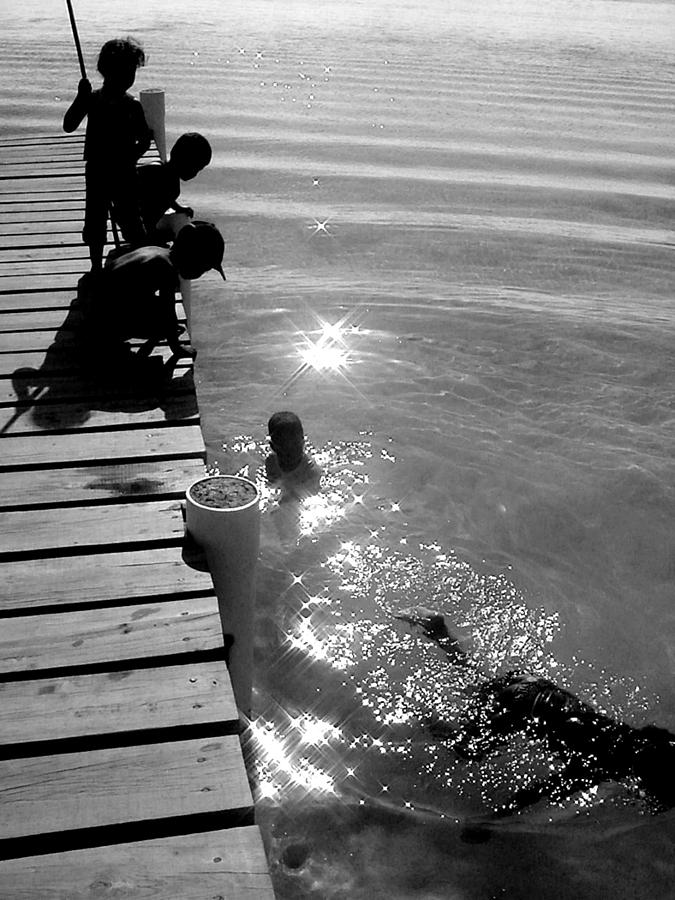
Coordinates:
column 222, row 509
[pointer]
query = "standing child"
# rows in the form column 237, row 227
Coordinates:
column 117, row 136
column 159, row 184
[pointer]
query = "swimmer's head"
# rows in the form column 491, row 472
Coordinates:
column 655, row 763
column 287, row 439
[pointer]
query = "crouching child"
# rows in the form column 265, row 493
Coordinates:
column 137, row 294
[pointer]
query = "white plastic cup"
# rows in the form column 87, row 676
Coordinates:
column 230, row 537
column 168, row 227
column 152, row 101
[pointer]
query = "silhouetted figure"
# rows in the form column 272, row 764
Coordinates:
column 117, row 136
column 592, row 746
column 136, row 296
column 159, row 184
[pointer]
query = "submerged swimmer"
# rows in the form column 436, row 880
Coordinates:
column 592, row 747
column 289, row 465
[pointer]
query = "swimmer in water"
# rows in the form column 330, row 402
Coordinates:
column 592, row 747
column 289, row 465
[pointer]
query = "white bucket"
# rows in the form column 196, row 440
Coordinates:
column 152, row 101
column 230, row 537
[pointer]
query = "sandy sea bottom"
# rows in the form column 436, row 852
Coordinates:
column 449, row 250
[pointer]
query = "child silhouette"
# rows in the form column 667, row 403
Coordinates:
column 117, row 136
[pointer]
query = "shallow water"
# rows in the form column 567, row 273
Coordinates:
column 450, row 251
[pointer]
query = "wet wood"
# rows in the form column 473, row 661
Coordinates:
column 51, row 709
column 98, row 483
column 219, row 865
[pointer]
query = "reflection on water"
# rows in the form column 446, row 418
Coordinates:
column 449, row 247
column 346, row 692
column 351, row 786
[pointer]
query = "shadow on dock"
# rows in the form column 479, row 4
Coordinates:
column 80, row 374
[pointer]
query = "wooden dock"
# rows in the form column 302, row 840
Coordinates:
column 121, row 773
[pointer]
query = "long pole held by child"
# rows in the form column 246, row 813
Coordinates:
column 76, row 38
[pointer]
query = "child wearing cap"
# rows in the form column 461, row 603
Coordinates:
column 289, row 464
column 137, row 295
column 159, row 184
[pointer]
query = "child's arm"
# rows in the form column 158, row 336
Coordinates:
column 179, row 208
column 169, row 325
column 79, row 108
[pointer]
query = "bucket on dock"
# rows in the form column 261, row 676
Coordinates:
column 152, row 101
column 223, row 517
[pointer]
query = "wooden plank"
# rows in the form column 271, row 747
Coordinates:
column 43, row 795
column 92, row 483
column 17, row 231
column 36, row 532
column 50, row 185
column 12, row 284
column 16, row 343
column 13, row 256
column 49, row 709
column 42, row 320
column 41, row 138
column 216, row 865
column 39, row 169
column 54, row 240
column 56, row 298
column 37, row 154
column 177, row 404
column 49, row 449
column 109, row 635
column 30, row 320
column 77, row 395
column 61, row 355
column 64, row 337
column 40, row 264
column 41, row 211
column 74, row 195
column 98, row 579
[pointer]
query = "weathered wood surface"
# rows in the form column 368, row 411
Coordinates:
column 117, row 576
column 217, row 865
column 62, row 530
column 176, row 404
column 79, row 639
column 58, row 449
column 118, row 726
column 122, row 784
column 88, row 484
column 51, row 709
column 30, row 300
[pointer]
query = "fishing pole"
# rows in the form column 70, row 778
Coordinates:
column 76, row 38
